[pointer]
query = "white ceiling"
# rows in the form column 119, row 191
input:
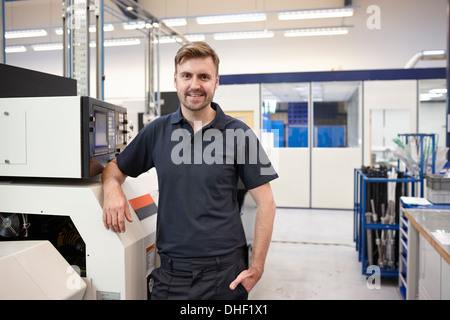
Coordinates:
column 29, row 14
column 407, row 27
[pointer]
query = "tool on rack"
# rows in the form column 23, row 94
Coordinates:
column 377, row 234
column 369, row 239
column 390, row 219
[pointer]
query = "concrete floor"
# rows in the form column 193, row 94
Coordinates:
column 313, row 256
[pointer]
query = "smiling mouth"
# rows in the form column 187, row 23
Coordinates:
column 195, row 94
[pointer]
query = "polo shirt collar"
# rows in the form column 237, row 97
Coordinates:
column 218, row 122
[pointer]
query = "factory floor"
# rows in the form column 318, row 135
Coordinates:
column 313, row 256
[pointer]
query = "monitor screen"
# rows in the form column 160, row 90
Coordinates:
column 101, row 134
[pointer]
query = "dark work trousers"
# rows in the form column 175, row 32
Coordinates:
column 199, row 278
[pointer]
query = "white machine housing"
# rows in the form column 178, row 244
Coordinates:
column 25, row 275
column 59, row 137
column 117, row 264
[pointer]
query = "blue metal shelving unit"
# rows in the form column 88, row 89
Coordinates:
column 359, row 222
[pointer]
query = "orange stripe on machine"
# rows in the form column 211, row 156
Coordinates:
column 141, row 201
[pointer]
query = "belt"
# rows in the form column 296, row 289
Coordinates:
column 188, row 264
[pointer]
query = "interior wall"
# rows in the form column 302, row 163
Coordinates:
column 391, row 96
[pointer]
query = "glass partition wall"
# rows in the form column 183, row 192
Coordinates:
column 317, row 131
column 285, row 113
column 335, row 114
column 433, row 108
column 323, row 130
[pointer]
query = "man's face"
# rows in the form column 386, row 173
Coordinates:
column 196, row 81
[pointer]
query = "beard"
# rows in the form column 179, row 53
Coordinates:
column 195, row 100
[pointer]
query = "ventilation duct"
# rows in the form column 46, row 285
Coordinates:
column 425, row 55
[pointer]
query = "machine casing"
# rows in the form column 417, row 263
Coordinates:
column 117, row 264
column 59, row 137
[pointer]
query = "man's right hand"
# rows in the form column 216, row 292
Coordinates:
column 115, row 204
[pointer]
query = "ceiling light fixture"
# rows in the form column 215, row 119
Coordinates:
column 175, row 22
column 136, row 25
column 106, row 28
column 316, row 14
column 118, row 42
column 231, row 18
column 30, row 33
column 15, row 49
column 308, row 32
column 167, row 39
column 47, row 47
column 195, row 37
column 172, row 39
column 243, row 35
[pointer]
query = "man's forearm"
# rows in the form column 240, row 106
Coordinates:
column 112, row 176
column 115, row 205
column 265, row 215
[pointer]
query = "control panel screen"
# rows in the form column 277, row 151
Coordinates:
column 101, row 134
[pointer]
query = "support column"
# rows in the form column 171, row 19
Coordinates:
column 100, row 61
column 2, row 32
column 448, row 78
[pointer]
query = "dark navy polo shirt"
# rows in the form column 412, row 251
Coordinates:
column 198, row 213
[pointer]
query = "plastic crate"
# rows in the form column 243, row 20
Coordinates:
column 438, row 182
column 438, row 196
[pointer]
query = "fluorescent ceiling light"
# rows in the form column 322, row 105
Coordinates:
column 172, row 39
column 231, row 18
column 316, row 32
column 136, row 25
column 163, row 40
column 47, row 47
column 118, row 42
column 442, row 91
column 176, row 22
column 432, row 53
column 25, row 33
column 15, row 49
column 106, row 28
column 430, row 95
column 122, row 42
column 243, row 35
column 195, row 37
column 316, row 14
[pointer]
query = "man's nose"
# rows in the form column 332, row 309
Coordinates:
column 195, row 84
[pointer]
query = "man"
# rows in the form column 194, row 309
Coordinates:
column 199, row 154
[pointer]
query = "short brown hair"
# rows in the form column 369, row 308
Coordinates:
column 196, row 49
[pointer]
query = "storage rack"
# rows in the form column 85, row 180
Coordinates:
column 360, row 226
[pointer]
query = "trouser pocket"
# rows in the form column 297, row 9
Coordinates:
column 226, row 275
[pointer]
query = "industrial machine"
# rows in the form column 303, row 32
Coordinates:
column 59, row 137
column 53, row 244
column 68, row 214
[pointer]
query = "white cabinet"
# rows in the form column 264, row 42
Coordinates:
column 427, row 254
column 429, row 272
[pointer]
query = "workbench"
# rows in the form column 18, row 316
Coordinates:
column 427, row 257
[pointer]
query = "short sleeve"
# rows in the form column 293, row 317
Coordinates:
column 137, row 158
column 255, row 169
